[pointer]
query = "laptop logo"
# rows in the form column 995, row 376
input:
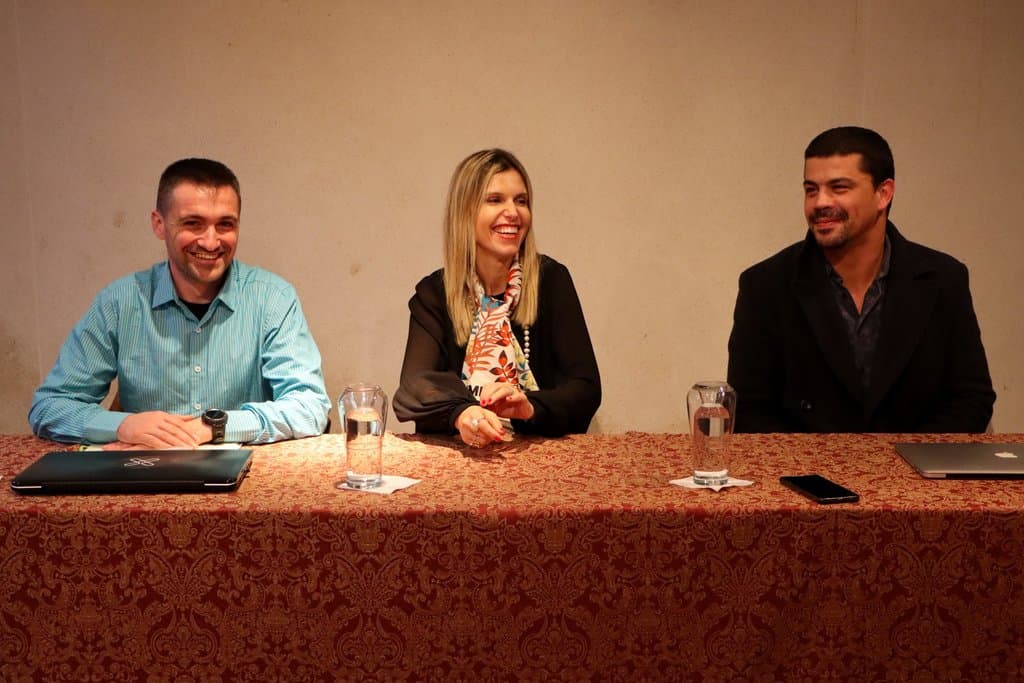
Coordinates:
column 142, row 462
column 1006, row 454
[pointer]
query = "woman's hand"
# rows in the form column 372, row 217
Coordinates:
column 478, row 426
column 506, row 400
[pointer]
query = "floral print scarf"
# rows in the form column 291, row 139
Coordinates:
column 493, row 353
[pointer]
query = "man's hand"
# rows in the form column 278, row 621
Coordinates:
column 157, row 429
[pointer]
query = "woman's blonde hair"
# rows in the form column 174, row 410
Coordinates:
column 465, row 196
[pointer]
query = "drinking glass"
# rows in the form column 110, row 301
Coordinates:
column 711, row 406
column 363, row 409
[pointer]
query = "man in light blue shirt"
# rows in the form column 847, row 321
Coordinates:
column 204, row 348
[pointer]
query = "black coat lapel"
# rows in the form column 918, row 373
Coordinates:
column 908, row 305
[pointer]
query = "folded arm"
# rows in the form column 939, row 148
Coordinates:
column 66, row 407
column 570, row 395
column 291, row 366
column 430, row 392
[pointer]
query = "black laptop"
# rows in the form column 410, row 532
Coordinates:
column 170, row 471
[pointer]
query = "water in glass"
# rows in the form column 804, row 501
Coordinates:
column 363, row 409
column 363, row 436
column 711, row 406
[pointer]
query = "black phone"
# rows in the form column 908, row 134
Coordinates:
column 819, row 489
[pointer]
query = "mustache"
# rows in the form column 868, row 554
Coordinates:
column 828, row 213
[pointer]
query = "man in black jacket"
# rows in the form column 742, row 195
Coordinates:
column 856, row 329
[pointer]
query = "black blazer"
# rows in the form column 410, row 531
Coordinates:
column 792, row 366
column 561, row 358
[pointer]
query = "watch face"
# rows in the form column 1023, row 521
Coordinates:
column 215, row 415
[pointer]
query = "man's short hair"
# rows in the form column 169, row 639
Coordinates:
column 202, row 172
column 876, row 157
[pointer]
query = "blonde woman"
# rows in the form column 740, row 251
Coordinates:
column 497, row 338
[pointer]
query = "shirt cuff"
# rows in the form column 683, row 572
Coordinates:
column 540, row 416
column 102, row 428
column 243, row 426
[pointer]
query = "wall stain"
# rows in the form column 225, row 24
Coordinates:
column 17, row 383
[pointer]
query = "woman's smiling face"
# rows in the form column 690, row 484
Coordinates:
column 504, row 218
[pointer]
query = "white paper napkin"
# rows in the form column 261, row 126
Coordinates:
column 688, row 483
column 388, row 485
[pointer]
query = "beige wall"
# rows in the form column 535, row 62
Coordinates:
column 664, row 139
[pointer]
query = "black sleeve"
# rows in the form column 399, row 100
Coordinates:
column 967, row 398
column 755, row 353
column 566, row 368
column 430, row 391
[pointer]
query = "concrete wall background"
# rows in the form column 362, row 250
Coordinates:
column 664, row 140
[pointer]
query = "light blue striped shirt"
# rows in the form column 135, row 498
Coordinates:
column 251, row 355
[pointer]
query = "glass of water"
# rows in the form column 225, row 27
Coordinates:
column 712, row 408
column 363, row 409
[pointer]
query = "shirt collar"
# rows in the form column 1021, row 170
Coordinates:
column 883, row 270
column 886, row 254
column 164, row 291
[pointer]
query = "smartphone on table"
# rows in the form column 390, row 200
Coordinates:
column 819, row 489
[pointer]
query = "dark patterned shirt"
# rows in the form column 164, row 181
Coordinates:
column 863, row 328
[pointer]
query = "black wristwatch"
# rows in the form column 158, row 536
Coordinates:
column 218, row 420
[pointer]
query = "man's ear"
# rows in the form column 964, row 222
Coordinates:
column 159, row 227
column 886, row 191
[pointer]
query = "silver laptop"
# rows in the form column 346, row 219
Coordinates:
column 965, row 460
column 178, row 471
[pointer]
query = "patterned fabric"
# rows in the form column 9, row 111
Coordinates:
column 561, row 559
column 493, row 353
column 252, row 355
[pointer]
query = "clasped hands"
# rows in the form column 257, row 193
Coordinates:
column 480, row 425
column 155, row 429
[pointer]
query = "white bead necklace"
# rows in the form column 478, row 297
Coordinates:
column 526, row 338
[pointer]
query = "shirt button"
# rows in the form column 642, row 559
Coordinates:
column 806, row 406
column 197, row 369
column 198, row 330
column 196, row 406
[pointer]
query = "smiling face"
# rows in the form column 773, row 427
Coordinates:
column 503, row 219
column 841, row 203
column 200, row 229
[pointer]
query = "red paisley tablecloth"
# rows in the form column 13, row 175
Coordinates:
column 562, row 559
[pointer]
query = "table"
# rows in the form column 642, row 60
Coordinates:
column 560, row 559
